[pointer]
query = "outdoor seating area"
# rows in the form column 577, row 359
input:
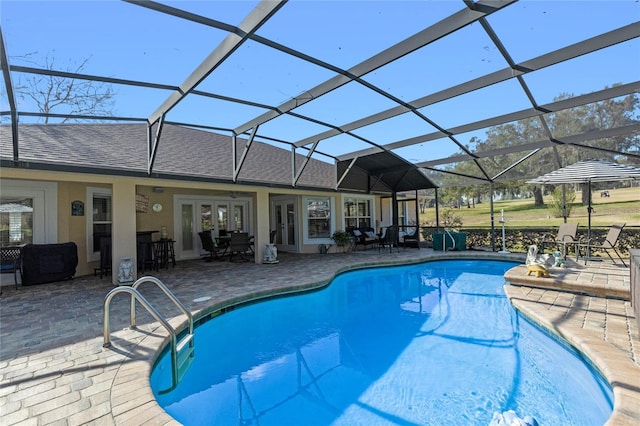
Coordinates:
column 237, row 246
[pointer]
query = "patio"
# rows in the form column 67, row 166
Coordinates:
column 55, row 370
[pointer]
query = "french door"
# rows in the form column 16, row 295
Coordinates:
column 215, row 215
column 283, row 220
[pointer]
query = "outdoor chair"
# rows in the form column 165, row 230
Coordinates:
column 215, row 251
column 364, row 236
column 609, row 243
column 239, row 245
column 410, row 239
column 567, row 235
column 11, row 262
column 389, row 238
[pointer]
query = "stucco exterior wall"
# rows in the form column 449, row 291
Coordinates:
column 73, row 187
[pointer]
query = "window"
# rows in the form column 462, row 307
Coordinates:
column 318, row 218
column 99, row 217
column 358, row 212
column 238, row 217
column 222, row 217
column 28, row 212
column 16, row 220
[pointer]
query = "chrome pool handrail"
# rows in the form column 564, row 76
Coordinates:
column 178, row 366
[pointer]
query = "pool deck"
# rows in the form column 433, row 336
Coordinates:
column 55, row 370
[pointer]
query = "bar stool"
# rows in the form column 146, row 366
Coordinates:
column 147, row 257
column 171, row 253
column 105, row 261
column 164, row 252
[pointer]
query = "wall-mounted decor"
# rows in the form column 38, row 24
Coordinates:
column 142, row 203
column 77, row 208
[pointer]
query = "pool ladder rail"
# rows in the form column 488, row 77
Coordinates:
column 182, row 350
column 444, row 241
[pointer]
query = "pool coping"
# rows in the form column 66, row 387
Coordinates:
column 618, row 370
column 133, row 374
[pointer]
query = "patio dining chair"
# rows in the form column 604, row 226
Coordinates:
column 610, row 242
column 567, row 235
column 411, row 239
column 239, row 245
column 208, row 245
column 389, row 239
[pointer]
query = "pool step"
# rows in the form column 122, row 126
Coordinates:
column 186, row 355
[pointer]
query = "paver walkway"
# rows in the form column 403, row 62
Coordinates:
column 54, row 369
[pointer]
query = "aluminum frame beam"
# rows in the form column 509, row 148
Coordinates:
column 576, row 101
column 256, row 18
column 4, row 63
column 422, row 38
column 593, row 44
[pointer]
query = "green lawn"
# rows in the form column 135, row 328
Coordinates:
column 623, row 206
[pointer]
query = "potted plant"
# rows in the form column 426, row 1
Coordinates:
column 342, row 239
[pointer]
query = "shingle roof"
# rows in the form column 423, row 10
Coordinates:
column 183, row 152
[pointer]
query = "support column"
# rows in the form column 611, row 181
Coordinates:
column 123, row 226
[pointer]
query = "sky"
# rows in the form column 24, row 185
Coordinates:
column 123, row 40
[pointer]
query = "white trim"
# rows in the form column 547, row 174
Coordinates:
column 305, row 220
column 197, row 200
column 283, row 201
column 372, row 207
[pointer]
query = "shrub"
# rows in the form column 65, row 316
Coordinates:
column 342, row 238
column 451, row 220
column 556, row 201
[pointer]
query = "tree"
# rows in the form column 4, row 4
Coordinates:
column 55, row 94
column 606, row 114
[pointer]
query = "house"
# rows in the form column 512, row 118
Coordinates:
column 77, row 182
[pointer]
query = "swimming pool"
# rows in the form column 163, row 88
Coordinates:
column 434, row 343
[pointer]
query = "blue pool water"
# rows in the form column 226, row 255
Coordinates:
column 430, row 344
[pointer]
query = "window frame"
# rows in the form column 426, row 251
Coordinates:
column 45, row 206
column 306, row 238
column 358, row 198
column 91, row 192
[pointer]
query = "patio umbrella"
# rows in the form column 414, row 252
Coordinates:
column 586, row 172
